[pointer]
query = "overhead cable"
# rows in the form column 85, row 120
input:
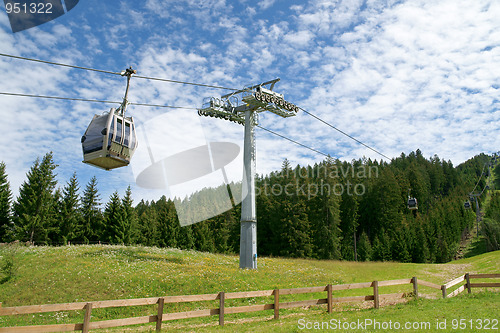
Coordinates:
column 296, row 142
column 178, row 82
column 344, row 133
column 95, row 101
column 115, row 73
column 153, row 105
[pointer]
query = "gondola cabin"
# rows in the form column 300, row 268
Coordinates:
column 412, row 204
column 109, row 141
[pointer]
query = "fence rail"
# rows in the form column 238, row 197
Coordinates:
column 222, row 310
column 468, row 284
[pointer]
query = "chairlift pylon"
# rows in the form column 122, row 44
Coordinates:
column 110, row 139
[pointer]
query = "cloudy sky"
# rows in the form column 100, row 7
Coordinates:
column 397, row 75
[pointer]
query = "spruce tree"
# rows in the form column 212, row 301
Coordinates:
column 296, row 237
column 91, row 227
column 130, row 217
column 5, row 201
column 70, row 213
column 54, row 236
column 420, row 250
column 349, row 224
column 186, row 241
column 33, row 216
column 168, row 224
column 148, row 227
column 364, row 248
column 202, row 236
column 116, row 228
column 221, row 233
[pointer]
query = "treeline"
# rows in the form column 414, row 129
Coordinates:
column 332, row 210
column 373, row 224
column 46, row 214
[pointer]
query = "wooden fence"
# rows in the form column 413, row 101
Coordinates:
column 468, row 284
column 222, row 310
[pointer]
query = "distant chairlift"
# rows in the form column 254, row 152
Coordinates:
column 110, row 139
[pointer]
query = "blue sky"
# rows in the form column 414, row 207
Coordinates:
column 397, row 75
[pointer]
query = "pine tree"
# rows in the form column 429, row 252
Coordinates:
column 349, row 224
column 400, row 245
column 5, row 200
column 325, row 220
column 388, row 200
column 420, row 250
column 70, row 214
column 296, row 238
column 91, row 227
column 130, row 217
column 382, row 247
column 116, row 228
column 221, row 233
column 148, row 227
column 268, row 228
column 364, row 248
column 32, row 210
column 186, row 241
column 168, row 223
column 54, row 236
column 173, row 225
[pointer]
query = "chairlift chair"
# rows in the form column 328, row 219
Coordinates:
column 110, row 139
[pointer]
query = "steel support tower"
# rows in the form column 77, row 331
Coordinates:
column 242, row 107
column 248, row 235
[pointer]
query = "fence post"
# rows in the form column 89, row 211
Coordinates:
column 86, row 319
column 221, row 308
column 276, row 303
column 443, row 289
column 466, row 278
column 415, row 286
column 329, row 297
column 159, row 317
column 375, row 294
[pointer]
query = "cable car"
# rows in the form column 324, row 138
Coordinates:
column 412, row 204
column 467, row 204
column 110, row 139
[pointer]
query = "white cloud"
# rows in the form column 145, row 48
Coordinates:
column 300, row 38
column 265, row 4
column 398, row 75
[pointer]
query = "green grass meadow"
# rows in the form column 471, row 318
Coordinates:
column 48, row 275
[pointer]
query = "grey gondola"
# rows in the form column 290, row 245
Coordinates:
column 110, row 140
column 102, row 143
column 412, row 204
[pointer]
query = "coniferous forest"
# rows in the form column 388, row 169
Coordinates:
column 332, row 210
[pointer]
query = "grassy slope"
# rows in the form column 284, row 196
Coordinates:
column 88, row 273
